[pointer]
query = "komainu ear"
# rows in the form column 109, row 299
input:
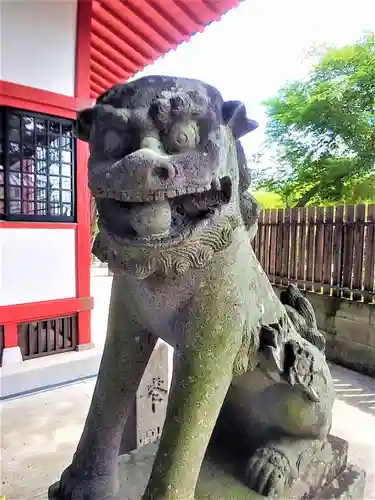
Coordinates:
column 234, row 115
column 84, row 124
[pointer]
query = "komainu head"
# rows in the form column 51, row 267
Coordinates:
column 163, row 159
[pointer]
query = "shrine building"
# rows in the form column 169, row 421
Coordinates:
column 56, row 58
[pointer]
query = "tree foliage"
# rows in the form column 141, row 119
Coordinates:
column 323, row 129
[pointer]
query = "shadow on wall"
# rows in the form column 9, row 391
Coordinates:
column 354, row 389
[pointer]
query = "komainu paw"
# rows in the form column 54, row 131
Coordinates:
column 268, row 472
column 81, row 487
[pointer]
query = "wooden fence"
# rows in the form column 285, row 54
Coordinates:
column 328, row 250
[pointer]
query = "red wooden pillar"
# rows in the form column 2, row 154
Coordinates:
column 83, row 236
column 10, row 335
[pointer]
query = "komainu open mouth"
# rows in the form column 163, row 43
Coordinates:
column 166, row 217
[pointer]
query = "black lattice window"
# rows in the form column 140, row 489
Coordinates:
column 39, row 167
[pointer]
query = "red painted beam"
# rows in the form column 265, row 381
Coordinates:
column 136, row 48
column 34, row 311
column 94, row 95
column 98, row 70
column 146, row 32
column 98, row 80
column 105, row 62
column 145, row 9
column 83, row 36
column 95, row 90
column 37, row 225
column 108, row 44
column 222, row 6
column 32, row 99
column 200, row 11
column 171, row 10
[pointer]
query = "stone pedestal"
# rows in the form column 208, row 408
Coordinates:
column 328, row 477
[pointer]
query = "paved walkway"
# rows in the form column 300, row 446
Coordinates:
column 39, row 433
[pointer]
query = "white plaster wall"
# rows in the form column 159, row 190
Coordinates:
column 36, row 265
column 37, row 43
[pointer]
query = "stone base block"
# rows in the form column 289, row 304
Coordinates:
column 85, row 347
column 11, row 356
column 328, row 477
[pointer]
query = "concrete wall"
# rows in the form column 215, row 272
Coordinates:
column 37, row 44
column 349, row 328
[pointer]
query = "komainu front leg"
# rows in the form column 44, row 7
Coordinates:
column 92, row 474
column 197, row 395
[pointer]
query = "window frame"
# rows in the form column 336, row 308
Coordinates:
column 7, row 216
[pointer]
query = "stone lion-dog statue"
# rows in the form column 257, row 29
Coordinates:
column 170, row 180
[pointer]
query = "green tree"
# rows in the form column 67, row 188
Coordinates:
column 323, row 129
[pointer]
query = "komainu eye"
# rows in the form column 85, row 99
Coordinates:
column 183, row 136
column 119, row 143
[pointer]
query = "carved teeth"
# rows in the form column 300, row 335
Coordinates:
column 134, row 196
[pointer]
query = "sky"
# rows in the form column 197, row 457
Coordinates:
column 261, row 44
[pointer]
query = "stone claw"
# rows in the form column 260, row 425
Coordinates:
column 268, row 472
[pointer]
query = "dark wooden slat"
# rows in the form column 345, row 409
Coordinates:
column 22, row 338
column 369, row 251
column 267, row 236
column 294, row 239
column 261, row 232
column 59, row 345
column 74, row 326
column 328, row 250
column 285, row 272
column 279, row 246
column 310, row 247
column 39, row 339
column 33, row 349
column 65, row 335
column 273, row 241
column 255, row 244
column 51, row 338
column 348, row 248
column 319, row 249
column 310, row 283
column 335, row 254
column 66, row 332
column 302, row 248
column 338, row 251
column 39, row 332
column 359, row 244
